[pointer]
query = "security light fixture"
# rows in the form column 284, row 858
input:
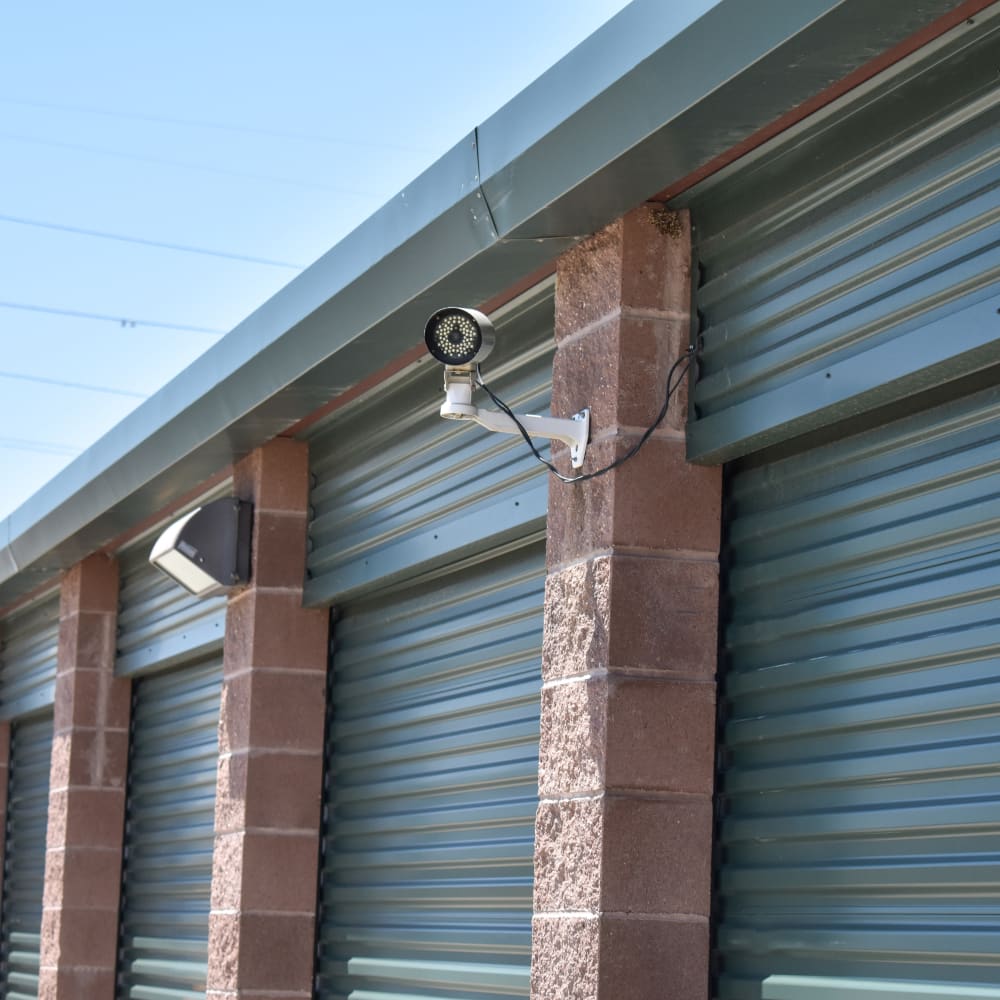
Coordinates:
column 208, row 550
column 460, row 338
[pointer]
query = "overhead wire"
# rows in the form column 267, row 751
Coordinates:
column 43, row 447
column 123, row 321
column 64, row 384
column 162, row 161
column 56, row 448
column 220, row 126
column 140, row 241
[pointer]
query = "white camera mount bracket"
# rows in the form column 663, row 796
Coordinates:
column 573, row 431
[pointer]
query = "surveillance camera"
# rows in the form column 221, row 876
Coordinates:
column 459, row 337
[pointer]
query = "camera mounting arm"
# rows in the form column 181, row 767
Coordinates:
column 573, row 431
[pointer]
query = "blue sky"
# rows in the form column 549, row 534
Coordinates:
column 242, row 130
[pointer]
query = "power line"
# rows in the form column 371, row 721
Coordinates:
column 63, row 384
column 120, row 320
column 222, row 126
column 100, row 151
column 44, row 447
column 58, row 227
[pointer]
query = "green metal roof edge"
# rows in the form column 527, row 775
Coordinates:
column 576, row 149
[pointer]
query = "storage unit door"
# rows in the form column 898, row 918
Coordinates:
column 169, row 833
column 860, row 825
column 29, row 642
column 432, row 786
column 854, row 262
column 24, row 857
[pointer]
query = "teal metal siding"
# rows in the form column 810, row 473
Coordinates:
column 429, row 839
column 24, row 857
column 169, row 833
column 399, row 491
column 860, row 789
column 29, row 642
column 855, row 260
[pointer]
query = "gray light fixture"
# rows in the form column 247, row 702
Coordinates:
column 208, row 550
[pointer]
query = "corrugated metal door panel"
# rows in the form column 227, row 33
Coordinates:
column 169, row 835
column 861, row 747
column 24, row 858
column 856, row 259
column 433, row 769
column 29, row 644
column 159, row 623
column 399, row 490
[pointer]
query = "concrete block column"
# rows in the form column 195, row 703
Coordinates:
column 268, row 797
column 86, row 792
column 624, row 826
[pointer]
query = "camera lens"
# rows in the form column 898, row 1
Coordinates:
column 456, row 336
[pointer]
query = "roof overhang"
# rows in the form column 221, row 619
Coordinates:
column 629, row 112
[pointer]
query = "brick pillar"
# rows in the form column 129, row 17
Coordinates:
column 86, row 792
column 624, row 828
column 268, row 797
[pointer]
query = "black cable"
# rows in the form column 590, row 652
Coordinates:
column 671, row 389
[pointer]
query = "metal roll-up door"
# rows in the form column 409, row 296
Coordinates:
column 432, row 786
column 860, row 785
column 29, row 645
column 428, row 536
column 399, row 491
column 169, row 833
column 854, row 261
column 24, row 857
